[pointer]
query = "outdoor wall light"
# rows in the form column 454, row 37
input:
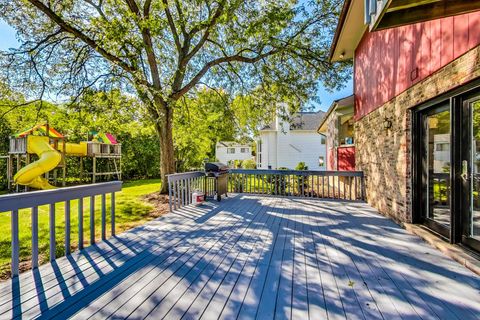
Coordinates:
column 387, row 123
column 342, row 55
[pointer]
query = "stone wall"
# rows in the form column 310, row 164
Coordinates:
column 385, row 155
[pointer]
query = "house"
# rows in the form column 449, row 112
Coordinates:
column 337, row 126
column 285, row 143
column 229, row 151
column 417, row 109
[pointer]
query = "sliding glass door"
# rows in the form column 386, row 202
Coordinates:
column 471, row 173
column 446, row 176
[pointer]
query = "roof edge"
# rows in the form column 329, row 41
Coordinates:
column 338, row 30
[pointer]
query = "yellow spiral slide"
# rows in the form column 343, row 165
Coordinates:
column 49, row 158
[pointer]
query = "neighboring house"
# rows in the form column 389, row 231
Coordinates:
column 283, row 144
column 229, row 151
column 417, row 109
column 337, row 126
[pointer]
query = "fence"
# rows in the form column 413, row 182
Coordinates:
column 14, row 202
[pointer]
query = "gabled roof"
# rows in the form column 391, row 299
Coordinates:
column 340, row 103
column 300, row 121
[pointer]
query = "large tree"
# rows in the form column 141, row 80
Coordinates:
column 162, row 50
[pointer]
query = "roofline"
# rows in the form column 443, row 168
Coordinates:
column 330, row 110
column 341, row 22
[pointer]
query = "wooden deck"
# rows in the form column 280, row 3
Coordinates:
column 252, row 257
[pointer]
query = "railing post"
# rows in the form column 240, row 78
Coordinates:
column 362, row 183
column 53, row 245
column 92, row 219
column 67, row 227
column 34, row 237
column 170, row 194
column 15, row 243
column 80, row 223
column 104, row 217
column 112, row 213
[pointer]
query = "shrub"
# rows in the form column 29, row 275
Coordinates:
column 249, row 164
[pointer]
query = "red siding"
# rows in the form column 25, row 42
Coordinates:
column 388, row 62
column 346, row 158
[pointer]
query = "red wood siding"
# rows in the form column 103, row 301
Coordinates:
column 346, row 158
column 388, row 62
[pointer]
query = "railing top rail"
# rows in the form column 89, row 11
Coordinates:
column 299, row 172
column 185, row 175
column 19, row 201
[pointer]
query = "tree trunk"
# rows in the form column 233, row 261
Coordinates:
column 163, row 127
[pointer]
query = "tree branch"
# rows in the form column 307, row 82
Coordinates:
column 172, row 26
column 147, row 40
column 83, row 37
column 235, row 58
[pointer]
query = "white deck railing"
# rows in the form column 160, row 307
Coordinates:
column 14, row 202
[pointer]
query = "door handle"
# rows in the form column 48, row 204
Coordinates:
column 464, row 174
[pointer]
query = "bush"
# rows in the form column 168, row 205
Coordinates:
column 301, row 166
column 249, row 164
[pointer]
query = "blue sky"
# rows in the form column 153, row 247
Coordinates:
column 8, row 40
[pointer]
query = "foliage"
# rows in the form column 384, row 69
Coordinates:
column 301, row 166
column 249, row 164
column 204, row 120
column 164, row 50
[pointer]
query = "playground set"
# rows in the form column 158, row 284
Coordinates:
column 48, row 149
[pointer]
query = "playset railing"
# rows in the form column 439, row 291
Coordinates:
column 343, row 185
column 32, row 200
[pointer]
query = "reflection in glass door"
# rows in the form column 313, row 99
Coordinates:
column 437, row 147
column 474, row 175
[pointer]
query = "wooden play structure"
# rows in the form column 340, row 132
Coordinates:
column 37, row 158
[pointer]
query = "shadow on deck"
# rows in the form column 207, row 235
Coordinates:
column 252, row 257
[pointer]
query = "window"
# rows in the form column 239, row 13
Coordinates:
column 244, row 150
column 345, row 129
column 230, row 150
column 321, row 161
column 442, row 147
column 322, row 141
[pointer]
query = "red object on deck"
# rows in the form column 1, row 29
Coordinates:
column 389, row 61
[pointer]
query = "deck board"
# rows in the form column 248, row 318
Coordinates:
column 252, row 256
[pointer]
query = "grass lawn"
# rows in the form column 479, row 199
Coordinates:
column 131, row 211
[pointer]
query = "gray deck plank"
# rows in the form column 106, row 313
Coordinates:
column 240, row 290
column 175, row 295
column 234, row 234
column 200, row 303
column 268, row 278
column 219, row 299
column 252, row 256
column 126, row 291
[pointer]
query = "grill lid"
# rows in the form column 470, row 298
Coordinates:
column 215, row 167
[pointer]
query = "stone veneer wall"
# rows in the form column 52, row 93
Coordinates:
column 385, row 155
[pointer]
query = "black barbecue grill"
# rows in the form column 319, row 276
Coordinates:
column 216, row 179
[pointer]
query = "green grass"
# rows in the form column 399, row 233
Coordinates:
column 131, row 211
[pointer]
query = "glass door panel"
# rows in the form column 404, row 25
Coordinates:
column 474, row 179
column 437, row 145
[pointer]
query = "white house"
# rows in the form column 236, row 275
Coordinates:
column 283, row 144
column 229, row 151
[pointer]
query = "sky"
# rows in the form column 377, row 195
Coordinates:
column 8, row 40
